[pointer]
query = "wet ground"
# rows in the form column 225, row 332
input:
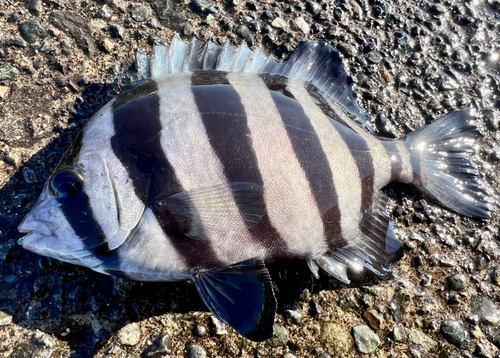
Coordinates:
column 412, row 62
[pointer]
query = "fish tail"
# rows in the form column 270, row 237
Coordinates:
column 443, row 162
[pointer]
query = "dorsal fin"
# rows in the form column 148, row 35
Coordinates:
column 316, row 62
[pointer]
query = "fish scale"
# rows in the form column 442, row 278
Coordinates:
column 223, row 159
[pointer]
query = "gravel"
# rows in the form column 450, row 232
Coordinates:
column 456, row 333
column 365, row 340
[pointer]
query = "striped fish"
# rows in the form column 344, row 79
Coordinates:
column 221, row 159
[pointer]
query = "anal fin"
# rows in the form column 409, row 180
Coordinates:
column 241, row 295
column 375, row 246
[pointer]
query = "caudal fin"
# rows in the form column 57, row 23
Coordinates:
column 442, row 156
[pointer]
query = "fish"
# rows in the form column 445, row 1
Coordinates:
column 219, row 159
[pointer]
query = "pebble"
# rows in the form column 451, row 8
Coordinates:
column 5, row 318
column 398, row 334
column 17, row 41
column 130, row 335
column 315, row 308
column 194, row 350
column 279, row 338
column 455, row 333
column 200, row 330
column 365, row 340
column 456, row 282
column 374, row 319
column 163, row 345
column 244, row 32
column 292, row 316
column 303, row 25
column 418, row 337
column 139, row 13
column 209, row 20
column 495, row 275
column 29, row 175
column 4, row 91
column 36, row 7
column 117, row 31
column 278, row 23
column 104, row 12
column 8, row 72
column 485, row 309
column 32, row 30
column 108, row 45
column 216, row 326
column 77, row 27
column 45, row 46
column 204, row 7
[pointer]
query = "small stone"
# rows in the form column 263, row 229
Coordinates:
column 303, row 25
column 495, row 275
column 216, row 326
column 108, row 45
column 200, row 330
column 374, row 319
column 32, row 31
column 305, row 295
column 374, row 290
column 17, row 41
column 45, row 46
column 418, row 337
column 292, row 317
column 4, row 91
column 8, row 72
column 104, row 12
column 204, row 7
column 209, row 20
column 117, row 31
column 5, row 318
column 278, row 23
column 163, row 345
column 130, row 335
column 279, row 338
column 77, row 27
column 188, row 30
column 456, row 282
column 438, row 9
column 36, row 7
column 29, row 175
column 194, row 350
column 455, row 333
column 140, row 13
column 398, row 334
column 43, row 339
column 245, row 33
column 315, row 308
column 365, row 340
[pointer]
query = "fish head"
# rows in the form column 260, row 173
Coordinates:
column 84, row 210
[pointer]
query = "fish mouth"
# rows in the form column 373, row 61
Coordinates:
column 36, row 232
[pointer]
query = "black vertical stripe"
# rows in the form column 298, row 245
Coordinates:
column 225, row 122
column 136, row 143
column 311, row 156
column 77, row 209
column 357, row 145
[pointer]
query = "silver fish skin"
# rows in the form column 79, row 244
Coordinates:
column 221, row 159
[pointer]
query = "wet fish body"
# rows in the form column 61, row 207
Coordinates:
column 222, row 159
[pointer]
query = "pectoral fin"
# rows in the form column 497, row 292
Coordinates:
column 241, row 295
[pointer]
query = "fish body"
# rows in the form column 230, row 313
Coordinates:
column 209, row 171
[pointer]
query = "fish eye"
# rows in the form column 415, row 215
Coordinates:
column 66, row 183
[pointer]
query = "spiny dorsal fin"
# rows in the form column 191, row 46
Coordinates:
column 315, row 62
